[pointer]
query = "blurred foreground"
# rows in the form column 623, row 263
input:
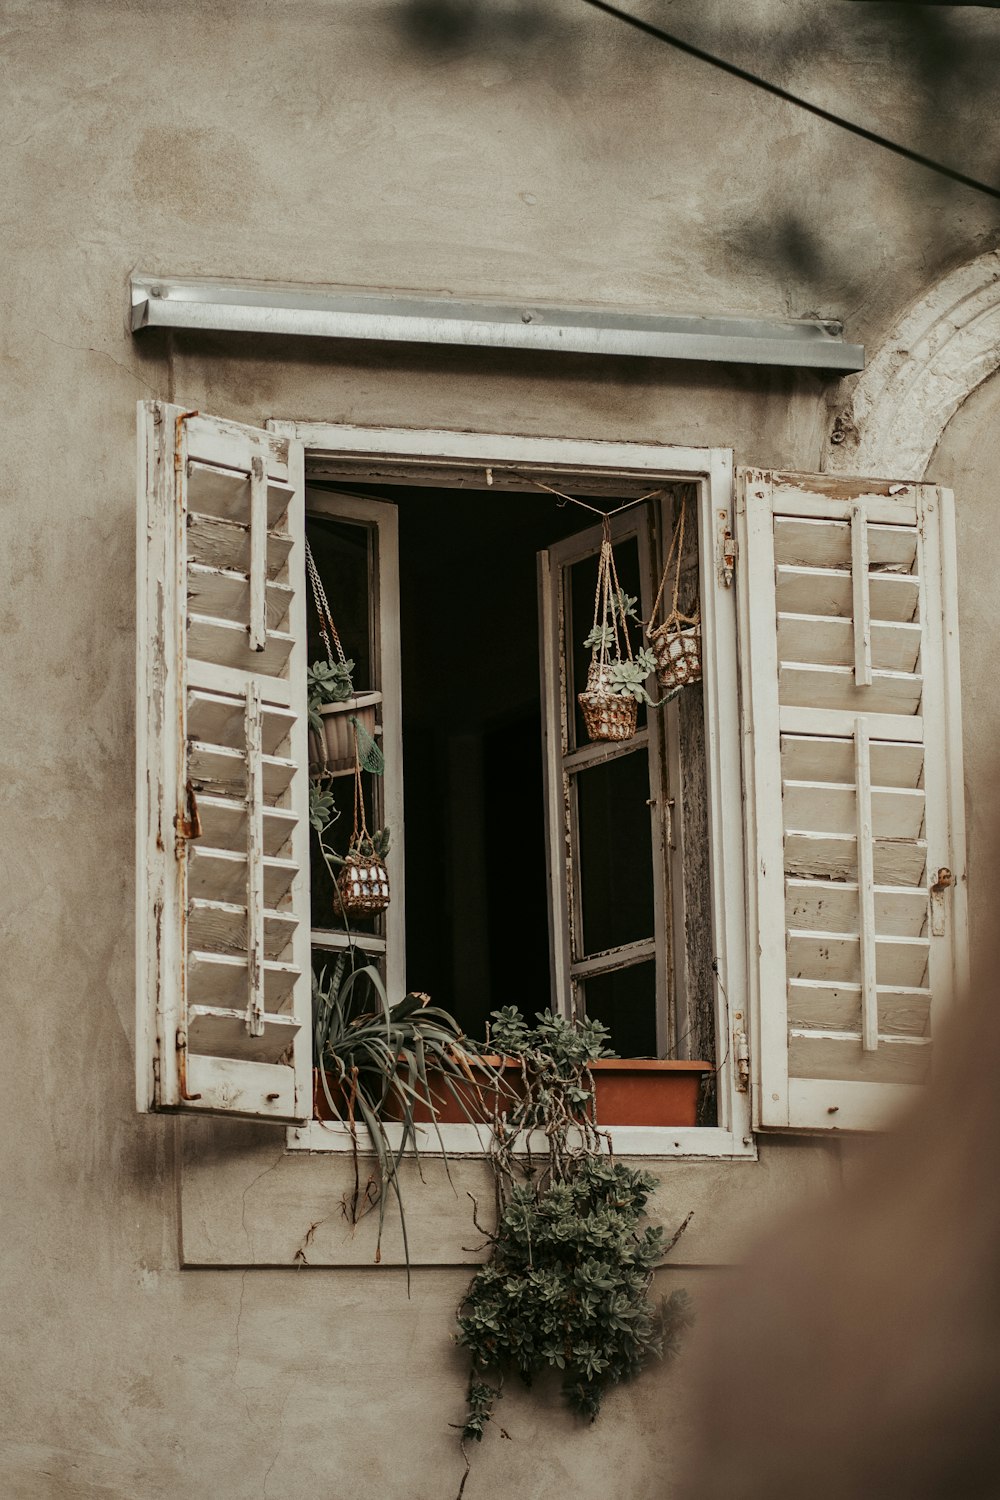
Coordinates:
column 858, row 1352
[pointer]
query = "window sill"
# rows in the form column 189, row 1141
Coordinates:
column 473, row 1141
column 246, row 1200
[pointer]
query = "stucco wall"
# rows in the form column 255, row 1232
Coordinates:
column 308, row 140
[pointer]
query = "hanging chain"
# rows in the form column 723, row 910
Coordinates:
column 327, row 628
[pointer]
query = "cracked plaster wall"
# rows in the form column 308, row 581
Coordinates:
column 306, row 140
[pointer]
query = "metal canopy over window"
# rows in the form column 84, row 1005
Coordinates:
column 353, row 313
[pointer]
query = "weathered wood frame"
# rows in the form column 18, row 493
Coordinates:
column 480, row 459
column 564, row 759
column 172, row 443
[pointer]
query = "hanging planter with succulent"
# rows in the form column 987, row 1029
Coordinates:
column 616, row 676
column 676, row 642
column 332, row 697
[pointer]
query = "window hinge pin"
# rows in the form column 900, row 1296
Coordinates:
column 728, row 563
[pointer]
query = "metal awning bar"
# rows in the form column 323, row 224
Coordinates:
column 393, row 317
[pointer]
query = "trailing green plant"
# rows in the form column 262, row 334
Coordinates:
column 377, row 1061
column 327, row 682
column 567, row 1282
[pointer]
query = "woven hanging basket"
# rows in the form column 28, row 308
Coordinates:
column 677, row 650
column 362, row 885
column 607, row 715
column 676, row 642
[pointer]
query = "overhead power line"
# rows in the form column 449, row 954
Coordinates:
column 779, row 93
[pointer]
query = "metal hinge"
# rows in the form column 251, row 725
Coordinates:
column 944, row 880
column 742, row 1050
column 727, row 551
column 187, row 823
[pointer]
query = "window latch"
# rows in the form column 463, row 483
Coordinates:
column 742, row 1050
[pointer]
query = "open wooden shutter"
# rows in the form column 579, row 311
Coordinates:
column 222, row 893
column 853, row 773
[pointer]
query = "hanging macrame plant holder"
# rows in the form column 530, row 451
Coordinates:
column 362, row 888
column 608, row 715
column 676, row 643
column 332, row 752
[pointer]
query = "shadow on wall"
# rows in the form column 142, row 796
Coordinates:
column 921, row 75
column 858, row 1352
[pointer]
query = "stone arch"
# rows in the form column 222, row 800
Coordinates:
column 943, row 346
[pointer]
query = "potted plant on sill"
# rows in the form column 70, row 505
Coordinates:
column 567, row 1282
column 372, row 1061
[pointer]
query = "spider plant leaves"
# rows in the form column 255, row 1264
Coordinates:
column 382, row 1066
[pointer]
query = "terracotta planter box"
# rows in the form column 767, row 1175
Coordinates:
column 338, row 732
column 630, row 1091
column 477, row 1096
column 645, row 1091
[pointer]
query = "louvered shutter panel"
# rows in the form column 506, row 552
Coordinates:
column 852, row 725
column 223, row 972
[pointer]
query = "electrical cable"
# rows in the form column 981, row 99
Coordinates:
column 779, row 93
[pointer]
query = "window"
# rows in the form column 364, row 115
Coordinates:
column 466, row 610
column 853, row 914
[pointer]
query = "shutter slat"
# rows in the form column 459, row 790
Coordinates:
column 892, row 1060
column 827, row 544
column 844, row 675
column 225, row 969
column 221, row 926
column 830, row 591
column 224, row 768
column 225, row 493
column 225, row 594
column 835, row 1005
column 217, row 719
column 224, row 824
column 832, row 905
column 220, row 979
column 214, row 1030
column 837, row 956
column 829, row 641
column 825, row 807
column 833, row 856
column 227, row 643
column 215, row 542
column 811, row 758
column 816, row 686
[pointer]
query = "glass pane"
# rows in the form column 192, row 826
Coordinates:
column 615, row 853
column 580, row 585
column 344, row 553
column 626, row 1002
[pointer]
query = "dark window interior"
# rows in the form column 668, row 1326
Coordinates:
column 477, row 932
column 477, row 923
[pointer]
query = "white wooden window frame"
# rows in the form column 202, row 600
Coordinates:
column 383, row 522
column 451, row 458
